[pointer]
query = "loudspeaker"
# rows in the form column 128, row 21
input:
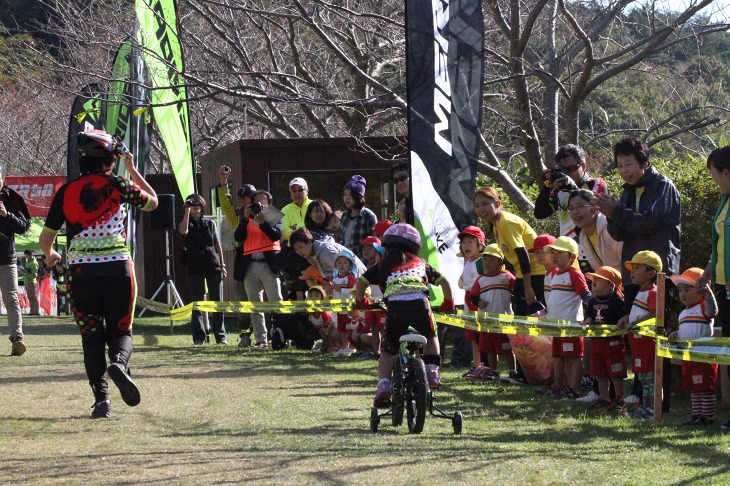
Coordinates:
column 163, row 217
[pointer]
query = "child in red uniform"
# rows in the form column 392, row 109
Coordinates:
column 492, row 292
column 568, row 291
column 644, row 267
column 608, row 354
column 471, row 244
column 368, row 334
column 343, row 281
column 542, row 255
column 696, row 321
column 322, row 321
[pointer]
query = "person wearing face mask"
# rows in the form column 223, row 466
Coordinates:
column 206, row 266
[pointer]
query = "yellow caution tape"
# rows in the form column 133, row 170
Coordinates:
column 707, row 350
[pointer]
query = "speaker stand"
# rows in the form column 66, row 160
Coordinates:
column 173, row 297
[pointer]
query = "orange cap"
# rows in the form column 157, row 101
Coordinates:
column 607, row 273
column 688, row 277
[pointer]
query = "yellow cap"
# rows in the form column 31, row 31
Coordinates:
column 564, row 243
column 645, row 257
column 493, row 250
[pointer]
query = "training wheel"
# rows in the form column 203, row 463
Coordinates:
column 457, row 422
column 374, row 419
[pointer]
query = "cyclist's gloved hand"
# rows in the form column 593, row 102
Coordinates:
column 364, row 303
column 447, row 306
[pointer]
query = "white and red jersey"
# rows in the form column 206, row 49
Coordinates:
column 321, row 320
column 547, row 282
column 642, row 347
column 564, row 300
column 694, row 322
column 644, row 303
column 469, row 275
column 496, row 290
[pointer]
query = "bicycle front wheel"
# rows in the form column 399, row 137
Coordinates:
column 416, row 396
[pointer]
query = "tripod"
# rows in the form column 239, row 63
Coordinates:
column 167, row 283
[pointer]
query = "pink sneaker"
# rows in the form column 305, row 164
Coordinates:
column 432, row 373
column 383, row 394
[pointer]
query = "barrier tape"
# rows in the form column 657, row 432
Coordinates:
column 706, row 350
column 159, row 307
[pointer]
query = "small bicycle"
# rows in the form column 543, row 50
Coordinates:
column 411, row 392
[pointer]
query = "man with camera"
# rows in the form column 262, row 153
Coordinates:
column 260, row 241
column 568, row 174
column 14, row 220
column 234, row 215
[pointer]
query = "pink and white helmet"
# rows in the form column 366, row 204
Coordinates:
column 404, row 234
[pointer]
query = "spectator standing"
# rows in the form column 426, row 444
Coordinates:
column 14, row 220
column 234, row 215
column 400, row 172
column 514, row 237
column 206, row 266
column 357, row 221
column 294, row 211
column 591, row 226
column 316, row 218
column 569, row 174
column 260, row 241
column 646, row 217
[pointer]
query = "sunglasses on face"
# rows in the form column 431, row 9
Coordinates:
column 301, row 189
column 571, row 168
column 401, row 178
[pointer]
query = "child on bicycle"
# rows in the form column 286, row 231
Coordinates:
column 404, row 278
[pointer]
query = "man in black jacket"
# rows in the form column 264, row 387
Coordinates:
column 14, row 219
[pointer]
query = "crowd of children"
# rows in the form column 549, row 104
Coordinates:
column 489, row 287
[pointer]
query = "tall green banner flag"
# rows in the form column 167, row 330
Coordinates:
column 158, row 38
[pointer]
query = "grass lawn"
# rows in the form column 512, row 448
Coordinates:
column 216, row 414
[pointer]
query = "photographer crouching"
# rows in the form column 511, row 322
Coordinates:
column 260, row 240
column 205, row 266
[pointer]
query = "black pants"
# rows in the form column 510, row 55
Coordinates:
column 102, row 303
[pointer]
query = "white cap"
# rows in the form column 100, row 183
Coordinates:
column 298, row 181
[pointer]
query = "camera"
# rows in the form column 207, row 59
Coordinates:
column 256, row 208
column 191, row 202
column 118, row 147
column 556, row 173
column 226, row 169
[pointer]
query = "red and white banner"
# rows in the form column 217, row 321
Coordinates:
column 38, row 191
column 47, row 294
